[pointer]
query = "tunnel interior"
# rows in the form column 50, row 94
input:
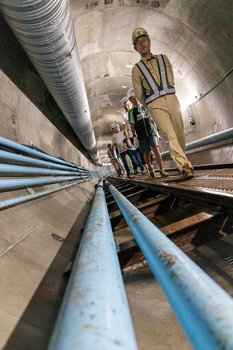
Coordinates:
column 196, row 36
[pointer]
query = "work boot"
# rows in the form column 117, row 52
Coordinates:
column 187, row 172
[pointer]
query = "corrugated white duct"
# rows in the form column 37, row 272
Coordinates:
column 44, row 28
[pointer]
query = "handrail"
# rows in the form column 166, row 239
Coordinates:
column 203, row 308
column 220, row 136
column 94, row 312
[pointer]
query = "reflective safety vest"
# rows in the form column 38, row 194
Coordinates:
column 156, row 90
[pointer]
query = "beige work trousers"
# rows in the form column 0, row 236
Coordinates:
column 116, row 164
column 166, row 113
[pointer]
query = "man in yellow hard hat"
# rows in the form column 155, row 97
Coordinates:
column 153, row 84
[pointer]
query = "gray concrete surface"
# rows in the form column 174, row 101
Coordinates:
column 155, row 324
column 32, row 262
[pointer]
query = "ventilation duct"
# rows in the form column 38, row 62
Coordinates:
column 44, row 29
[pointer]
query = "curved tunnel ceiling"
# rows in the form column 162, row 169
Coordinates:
column 195, row 35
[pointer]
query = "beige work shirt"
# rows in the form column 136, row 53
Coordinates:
column 141, row 88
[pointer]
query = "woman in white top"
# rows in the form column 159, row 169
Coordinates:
column 127, row 105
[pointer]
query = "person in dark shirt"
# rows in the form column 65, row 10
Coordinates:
column 143, row 125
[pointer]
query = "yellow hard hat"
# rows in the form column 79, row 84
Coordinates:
column 138, row 32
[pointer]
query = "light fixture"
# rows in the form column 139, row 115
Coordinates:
column 191, row 121
column 129, row 65
column 124, row 87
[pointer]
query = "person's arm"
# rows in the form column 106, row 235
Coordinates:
column 153, row 122
column 155, row 126
column 125, row 127
column 126, row 131
column 126, row 146
column 109, row 154
column 132, row 122
column 114, row 147
column 137, row 85
column 133, row 129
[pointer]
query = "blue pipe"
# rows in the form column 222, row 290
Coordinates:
column 83, row 171
column 29, row 160
column 18, row 200
column 80, row 167
column 94, row 314
column 220, row 136
column 204, row 309
column 19, row 183
column 8, row 168
column 25, row 149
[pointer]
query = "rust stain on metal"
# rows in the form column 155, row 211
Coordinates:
column 88, row 326
column 168, row 259
column 135, row 215
column 86, row 239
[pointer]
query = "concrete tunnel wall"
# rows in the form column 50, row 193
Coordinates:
column 32, row 252
column 196, row 37
column 32, row 234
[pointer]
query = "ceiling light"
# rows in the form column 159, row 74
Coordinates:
column 124, row 87
column 129, row 65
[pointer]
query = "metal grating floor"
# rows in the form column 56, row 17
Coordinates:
column 218, row 180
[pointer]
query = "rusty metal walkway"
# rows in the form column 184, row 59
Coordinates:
column 191, row 213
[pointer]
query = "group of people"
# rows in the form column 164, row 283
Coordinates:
column 150, row 103
column 137, row 139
